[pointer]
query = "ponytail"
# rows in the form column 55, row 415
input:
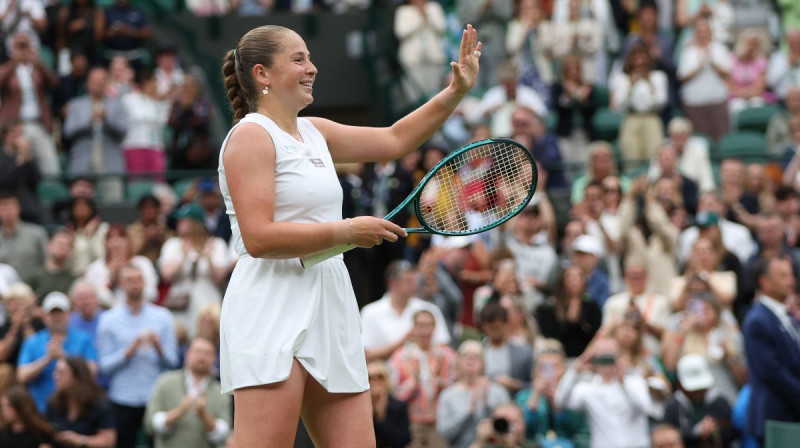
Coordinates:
column 235, row 94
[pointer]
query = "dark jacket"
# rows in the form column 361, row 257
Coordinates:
column 681, row 413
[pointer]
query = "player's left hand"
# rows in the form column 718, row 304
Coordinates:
column 465, row 71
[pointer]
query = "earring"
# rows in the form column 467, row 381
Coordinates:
column 266, row 90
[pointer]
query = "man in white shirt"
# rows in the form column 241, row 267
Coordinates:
column 387, row 323
column 535, row 258
column 616, row 404
column 735, row 237
column 651, row 309
column 784, row 66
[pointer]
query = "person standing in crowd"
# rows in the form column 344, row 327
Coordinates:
column 105, row 272
column 94, row 126
column 387, row 322
column 420, row 370
column 697, row 408
column 55, row 274
column 186, row 407
column 616, row 403
column 507, row 363
column 86, row 307
column 505, row 428
column 150, row 231
column 41, row 351
column 78, row 411
column 126, row 32
column 190, row 121
column 21, row 322
column 390, row 418
column 666, row 436
column 772, row 344
column 88, row 231
column 23, row 245
column 472, row 398
column 136, row 342
column 419, row 26
column 21, row 425
column 25, row 82
column 18, row 170
column 147, row 113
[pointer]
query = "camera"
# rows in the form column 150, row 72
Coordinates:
column 501, row 425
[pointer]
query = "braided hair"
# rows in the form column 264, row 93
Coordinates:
column 258, row 46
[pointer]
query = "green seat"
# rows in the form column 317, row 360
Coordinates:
column 781, row 434
column 755, row 118
column 48, row 56
column 134, row 190
column 49, row 191
column 606, row 124
column 602, row 95
column 747, row 145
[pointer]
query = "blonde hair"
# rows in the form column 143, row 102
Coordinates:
column 596, row 148
column 680, row 125
column 740, row 48
column 22, row 292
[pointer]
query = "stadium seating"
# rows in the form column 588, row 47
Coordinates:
column 747, row 145
column 755, row 118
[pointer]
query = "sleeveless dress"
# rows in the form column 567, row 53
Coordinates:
column 275, row 311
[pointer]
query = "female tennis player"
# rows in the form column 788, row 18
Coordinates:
column 290, row 337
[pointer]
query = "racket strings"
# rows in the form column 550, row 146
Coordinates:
column 475, row 190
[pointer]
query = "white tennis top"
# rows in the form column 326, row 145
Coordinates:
column 274, row 311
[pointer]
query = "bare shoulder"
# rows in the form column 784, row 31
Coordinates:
column 248, row 142
column 324, row 125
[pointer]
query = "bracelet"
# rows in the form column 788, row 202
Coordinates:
column 350, row 236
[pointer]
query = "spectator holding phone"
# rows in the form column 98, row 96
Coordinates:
column 616, row 403
column 542, row 419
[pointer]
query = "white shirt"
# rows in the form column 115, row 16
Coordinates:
column 617, row 412
column 29, row 109
column 694, row 163
column 536, row 260
column 655, row 311
column 382, row 326
column 31, row 10
column 706, row 87
column 495, row 102
column 98, row 274
column 147, row 118
column 781, row 75
column 643, row 96
column 735, row 237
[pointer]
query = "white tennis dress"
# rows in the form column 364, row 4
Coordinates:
column 274, row 310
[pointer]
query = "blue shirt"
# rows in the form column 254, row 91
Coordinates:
column 76, row 322
column 132, row 378
column 77, row 343
column 598, row 287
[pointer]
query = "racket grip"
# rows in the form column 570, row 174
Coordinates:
column 319, row 257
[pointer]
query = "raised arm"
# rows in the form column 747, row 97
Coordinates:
column 364, row 144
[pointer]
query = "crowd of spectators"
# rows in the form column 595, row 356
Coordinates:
column 647, row 300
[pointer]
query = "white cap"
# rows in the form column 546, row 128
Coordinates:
column 694, row 373
column 55, row 300
column 587, row 244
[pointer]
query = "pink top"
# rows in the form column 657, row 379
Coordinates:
column 745, row 74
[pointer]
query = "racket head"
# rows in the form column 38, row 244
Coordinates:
column 476, row 188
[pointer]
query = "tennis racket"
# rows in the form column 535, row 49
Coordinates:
column 474, row 189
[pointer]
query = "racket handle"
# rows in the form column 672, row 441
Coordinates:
column 319, row 257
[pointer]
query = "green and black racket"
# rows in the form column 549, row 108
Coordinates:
column 474, row 189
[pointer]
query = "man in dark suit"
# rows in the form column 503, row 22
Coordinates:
column 772, row 343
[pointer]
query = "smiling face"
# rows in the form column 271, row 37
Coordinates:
column 291, row 77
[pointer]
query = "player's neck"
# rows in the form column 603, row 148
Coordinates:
column 285, row 120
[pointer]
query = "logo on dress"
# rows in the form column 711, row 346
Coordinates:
column 290, row 148
column 317, row 163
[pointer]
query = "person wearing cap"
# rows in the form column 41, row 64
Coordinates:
column 602, row 223
column 586, row 253
column 195, row 264
column 772, row 341
column 388, row 323
column 697, row 408
column 40, row 351
column 735, row 237
column 615, row 402
column 215, row 218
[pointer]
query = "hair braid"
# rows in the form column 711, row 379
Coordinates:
column 236, row 96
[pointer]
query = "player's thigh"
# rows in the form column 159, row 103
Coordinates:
column 267, row 416
column 337, row 420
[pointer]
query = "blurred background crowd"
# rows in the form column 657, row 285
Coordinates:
column 645, row 297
